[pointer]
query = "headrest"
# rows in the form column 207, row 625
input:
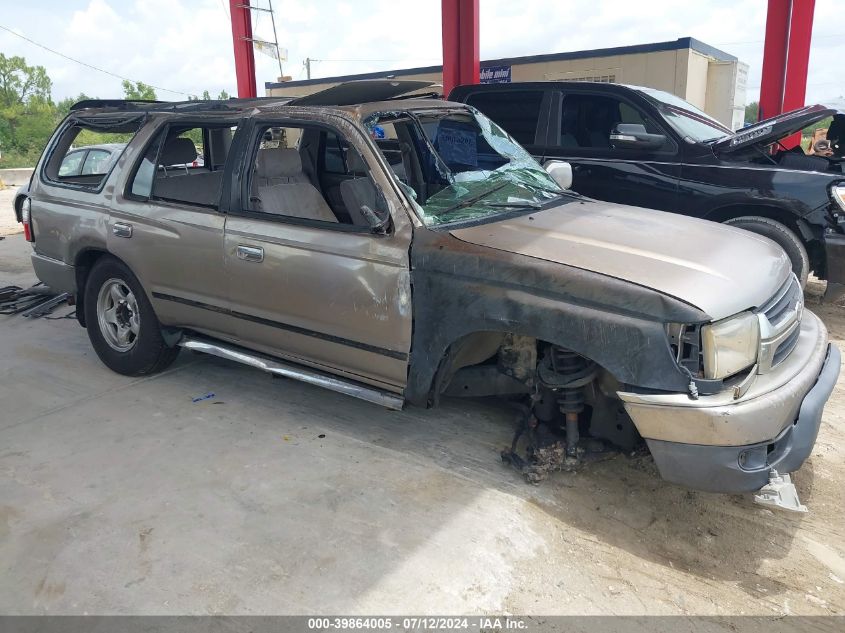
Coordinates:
column 354, row 163
column 178, row 151
column 277, row 162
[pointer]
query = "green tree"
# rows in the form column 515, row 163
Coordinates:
column 138, row 91
column 751, row 112
column 206, row 96
column 26, row 110
column 21, row 84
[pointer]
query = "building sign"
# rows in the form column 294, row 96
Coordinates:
column 495, row 75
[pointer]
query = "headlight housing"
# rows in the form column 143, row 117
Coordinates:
column 837, row 192
column 730, row 345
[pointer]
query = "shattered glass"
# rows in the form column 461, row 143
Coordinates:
column 473, row 168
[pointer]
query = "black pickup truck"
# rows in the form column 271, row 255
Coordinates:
column 645, row 147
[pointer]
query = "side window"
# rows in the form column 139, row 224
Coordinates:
column 71, row 164
column 87, row 147
column 311, row 173
column 96, row 162
column 184, row 164
column 587, row 120
column 517, row 111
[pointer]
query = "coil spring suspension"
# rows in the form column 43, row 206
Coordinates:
column 567, row 373
column 570, row 399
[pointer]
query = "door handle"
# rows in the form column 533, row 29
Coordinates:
column 122, row 229
column 250, row 253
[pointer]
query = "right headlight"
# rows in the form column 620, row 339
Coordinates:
column 837, row 192
column 730, row 345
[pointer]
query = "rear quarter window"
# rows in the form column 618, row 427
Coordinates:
column 86, row 149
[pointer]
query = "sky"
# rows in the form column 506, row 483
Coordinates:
column 185, row 46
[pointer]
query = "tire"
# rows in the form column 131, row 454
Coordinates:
column 783, row 236
column 121, row 323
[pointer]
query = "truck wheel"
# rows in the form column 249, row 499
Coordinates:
column 784, row 238
column 121, row 324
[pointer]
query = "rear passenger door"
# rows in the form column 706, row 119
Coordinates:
column 167, row 226
column 579, row 133
column 308, row 278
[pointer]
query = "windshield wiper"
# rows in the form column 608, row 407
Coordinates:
column 514, row 205
column 473, row 199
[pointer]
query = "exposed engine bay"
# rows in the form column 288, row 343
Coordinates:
column 824, row 155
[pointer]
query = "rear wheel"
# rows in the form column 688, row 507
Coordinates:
column 783, row 236
column 121, row 323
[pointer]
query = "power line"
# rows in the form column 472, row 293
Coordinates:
column 87, row 65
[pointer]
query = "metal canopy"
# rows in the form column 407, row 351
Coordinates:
column 363, row 91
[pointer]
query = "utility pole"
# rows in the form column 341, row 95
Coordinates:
column 276, row 39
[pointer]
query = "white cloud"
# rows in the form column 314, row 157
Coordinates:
column 186, row 45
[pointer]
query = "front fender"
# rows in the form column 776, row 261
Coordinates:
column 460, row 288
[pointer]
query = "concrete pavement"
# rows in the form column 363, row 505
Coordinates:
column 122, row 496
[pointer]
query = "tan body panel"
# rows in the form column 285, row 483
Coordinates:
column 718, row 269
column 334, row 298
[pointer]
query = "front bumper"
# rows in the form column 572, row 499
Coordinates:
column 834, row 253
column 719, row 444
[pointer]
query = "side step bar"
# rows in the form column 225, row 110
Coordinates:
column 289, row 370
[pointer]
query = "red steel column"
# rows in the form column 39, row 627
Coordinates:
column 798, row 60
column 460, row 27
column 242, row 41
column 786, row 57
column 774, row 58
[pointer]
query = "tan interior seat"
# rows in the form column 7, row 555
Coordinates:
column 278, row 166
column 358, row 192
column 281, row 187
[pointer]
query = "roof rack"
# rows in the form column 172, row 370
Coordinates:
column 120, row 104
column 145, row 105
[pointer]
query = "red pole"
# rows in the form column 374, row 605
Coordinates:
column 469, row 36
column 774, row 59
column 798, row 60
column 242, row 41
column 450, row 16
column 460, row 28
column 786, row 57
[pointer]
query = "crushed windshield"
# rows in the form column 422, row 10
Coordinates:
column 687, row 120
column 460, row 166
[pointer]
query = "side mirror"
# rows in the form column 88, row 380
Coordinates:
column 634, row 136
column 561, row 172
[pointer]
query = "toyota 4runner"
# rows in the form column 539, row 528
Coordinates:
column 401, row 249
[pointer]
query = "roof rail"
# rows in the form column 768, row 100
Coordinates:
column 192, row 105
column 121, row 104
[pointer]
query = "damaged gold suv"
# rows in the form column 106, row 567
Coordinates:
column 398, row 249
